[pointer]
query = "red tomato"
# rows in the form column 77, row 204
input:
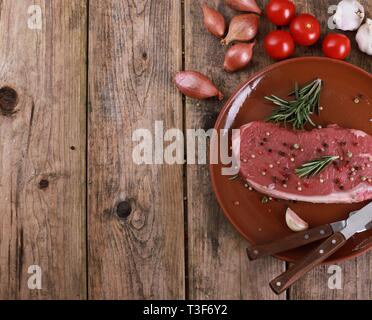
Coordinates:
column 336, row 46
column 305, row 29
column 279, row 44
column 280, row 12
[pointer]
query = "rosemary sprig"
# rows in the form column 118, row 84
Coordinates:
column 298, row 111
column 314, row 167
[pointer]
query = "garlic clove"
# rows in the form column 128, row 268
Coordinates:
column 364, row 37
column 243, row 27
column 195, row 85
column 244, row 5
column 294, row 222
column 349, row 15
column 214, row 21
column 238, row 56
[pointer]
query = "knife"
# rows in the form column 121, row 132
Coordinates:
column 358, row 222
column 296, row 240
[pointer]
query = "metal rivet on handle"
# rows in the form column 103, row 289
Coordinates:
column 278, row 284
column 334, row 241
column 321, row 251
column 307, row 237
column 322, row 232
column 255, row 252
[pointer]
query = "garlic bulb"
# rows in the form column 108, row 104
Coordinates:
column 364, row 37
column 349, row 15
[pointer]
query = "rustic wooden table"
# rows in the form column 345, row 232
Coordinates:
column 86, row 78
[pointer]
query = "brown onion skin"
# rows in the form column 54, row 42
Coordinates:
column 214, row 21
column 238, row 56
column 244, row 5
column 243, row 27
column 195, row 85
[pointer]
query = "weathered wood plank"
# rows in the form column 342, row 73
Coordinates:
column 356, row 282
column 135, row 48
column 42, row 149
column 218, row 265
column 357, row 273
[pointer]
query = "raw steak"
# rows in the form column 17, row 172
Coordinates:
column 270, row 154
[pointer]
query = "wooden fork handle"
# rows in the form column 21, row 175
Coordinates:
column 293, row 241
column 316, row 257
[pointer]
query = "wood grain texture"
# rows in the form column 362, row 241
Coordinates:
column 356, row 282
column 357, row 273
column 42, row 181
column 217, row 259
column 135, row 48
column 136, row 235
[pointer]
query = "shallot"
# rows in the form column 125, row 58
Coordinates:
column 364, row 37
column 214, row 21
column 244, row 5
column 238, row 56
column 349, row 15
column 243, row 27
column 294, row 222
column 196, row 85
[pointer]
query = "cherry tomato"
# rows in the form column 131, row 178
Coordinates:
column 280, row 12
column 305, row 29
column 279, row 44
column 336, row 46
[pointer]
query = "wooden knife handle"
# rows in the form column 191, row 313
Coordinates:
column 293, row 241
column 317, row 256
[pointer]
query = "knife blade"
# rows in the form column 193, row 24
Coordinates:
column 295, row 240
column 358, row 222
column 301, row 238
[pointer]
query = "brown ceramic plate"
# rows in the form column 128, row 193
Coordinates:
column 260, row 223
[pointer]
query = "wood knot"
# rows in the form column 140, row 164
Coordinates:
column 43, row 184
column 124, row 209
column 8, row 100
